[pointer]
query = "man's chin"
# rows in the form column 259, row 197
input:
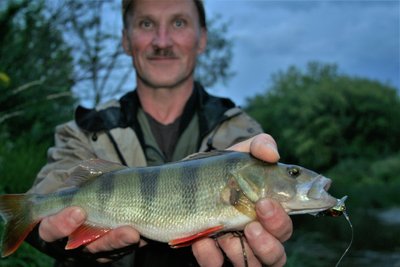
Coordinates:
column 167, row 83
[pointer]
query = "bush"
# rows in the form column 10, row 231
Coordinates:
column 319, row 117
column 369, row 184
column 20, row 161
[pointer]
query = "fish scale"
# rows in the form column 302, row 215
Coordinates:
column 176, row 203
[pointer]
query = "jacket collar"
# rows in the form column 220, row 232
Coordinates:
column 210, row 109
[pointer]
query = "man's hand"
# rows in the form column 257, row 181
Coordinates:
column 68, row 220
column 265, row 236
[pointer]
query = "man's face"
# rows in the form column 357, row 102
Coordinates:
column 164, row 39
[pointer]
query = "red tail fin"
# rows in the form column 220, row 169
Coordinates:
column 15, row 210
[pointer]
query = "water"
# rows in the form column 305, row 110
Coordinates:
column 373, row 258
column 321, row 241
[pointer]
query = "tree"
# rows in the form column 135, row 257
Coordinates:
column 320, row 117
column 214, row 64
column 35, row 83
column 35, row 64
column 99, row 67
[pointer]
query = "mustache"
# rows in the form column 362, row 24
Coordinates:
column 162, row 52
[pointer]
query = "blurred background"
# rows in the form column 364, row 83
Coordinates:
column 322, row 77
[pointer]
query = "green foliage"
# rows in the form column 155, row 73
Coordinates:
column 37, row 63
column 320, row 118
column 20, row 161
column 27, row 256
column 35, row 83
column 373, row 184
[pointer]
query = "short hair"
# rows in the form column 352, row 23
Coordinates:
column 127, row 5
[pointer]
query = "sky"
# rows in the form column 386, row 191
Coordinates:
column 361, row 37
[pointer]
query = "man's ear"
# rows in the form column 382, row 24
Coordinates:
column 126, row 42
column 202, row 41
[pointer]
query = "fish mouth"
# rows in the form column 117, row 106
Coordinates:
column 319, row 188
column 312, row 197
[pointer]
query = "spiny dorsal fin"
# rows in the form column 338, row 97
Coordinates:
column 202, row 155
column 90, row 169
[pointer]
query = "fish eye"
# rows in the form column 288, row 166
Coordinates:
column 293, row 171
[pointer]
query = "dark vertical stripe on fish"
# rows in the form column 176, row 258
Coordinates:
column 105, row 190
column 149, row 180
column 189, row 177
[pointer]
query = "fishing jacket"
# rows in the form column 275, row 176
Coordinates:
column 118, row 131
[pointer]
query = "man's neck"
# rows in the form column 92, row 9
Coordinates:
column 165, row 105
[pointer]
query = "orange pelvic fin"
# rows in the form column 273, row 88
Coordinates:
column 85, row 234
column 189, row 240
column 14, row 209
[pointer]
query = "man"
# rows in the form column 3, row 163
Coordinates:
column 166, row 118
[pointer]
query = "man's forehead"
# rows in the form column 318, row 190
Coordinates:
column 148, row 5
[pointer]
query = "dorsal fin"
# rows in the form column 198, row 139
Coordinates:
column 90, row 169
column 202, row 155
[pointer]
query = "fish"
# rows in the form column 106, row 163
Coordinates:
column 177, row 203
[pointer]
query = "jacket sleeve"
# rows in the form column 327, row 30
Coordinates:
column 71, row 146
column 238, row 126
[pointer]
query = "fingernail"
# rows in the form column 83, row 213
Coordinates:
column 265, row 208
column 77, row 216
column 273, row 149
column 254, row 229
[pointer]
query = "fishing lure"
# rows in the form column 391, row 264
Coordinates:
column 336, row 211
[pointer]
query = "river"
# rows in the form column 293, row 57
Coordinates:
column 376, row 240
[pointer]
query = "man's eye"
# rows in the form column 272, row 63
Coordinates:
column 146, row 24
column 179, row 23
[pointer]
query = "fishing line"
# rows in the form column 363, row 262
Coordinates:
column 246, row 262
column 351, row 238
column 242, row 239
column 338, row 210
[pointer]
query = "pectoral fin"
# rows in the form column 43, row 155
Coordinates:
column 187, row 241
column 85, row 234
column 233, row 195
column 249, row 182
column 246, row 206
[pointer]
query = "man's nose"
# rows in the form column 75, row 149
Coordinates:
column 162, row 38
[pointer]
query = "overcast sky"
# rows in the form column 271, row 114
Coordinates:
column 361, row 37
